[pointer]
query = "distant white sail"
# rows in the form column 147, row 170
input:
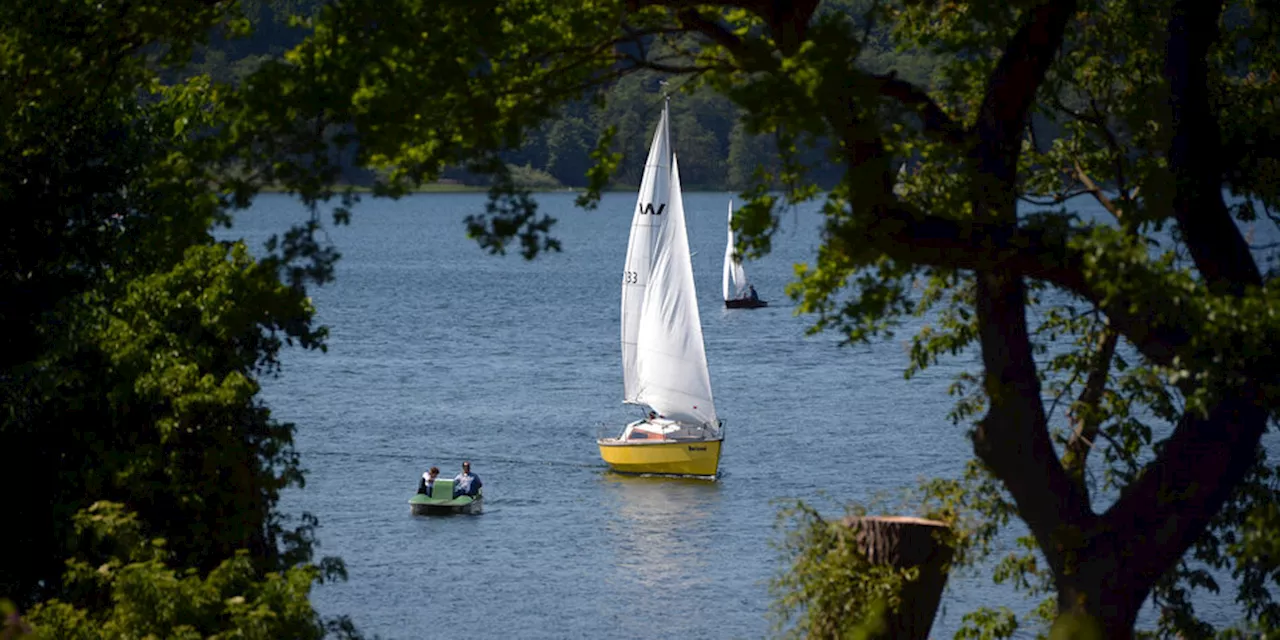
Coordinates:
column 735, row 276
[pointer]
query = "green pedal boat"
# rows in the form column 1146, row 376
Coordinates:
column 442, row 502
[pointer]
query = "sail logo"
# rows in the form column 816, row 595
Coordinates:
column 647, row 209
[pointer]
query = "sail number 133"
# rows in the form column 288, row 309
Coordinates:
column 630, row 277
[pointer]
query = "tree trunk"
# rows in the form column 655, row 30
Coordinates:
column 903, row 542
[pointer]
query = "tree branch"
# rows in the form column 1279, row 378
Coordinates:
column 717, row 32
column 934, row 119
column 788, row 20
column 1162, row 513
column 1117, row 152
column 1085, row 413
column 904, row 233
column 1097, row 192
column 636, row 5
column 675, row 69
column 1013, row 439
column 1057, row 397
column 1013, row 86
column 1219, row 251
column 1056, row 200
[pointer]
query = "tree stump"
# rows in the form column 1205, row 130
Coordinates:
column 903, row 542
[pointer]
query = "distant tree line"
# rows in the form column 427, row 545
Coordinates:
column 716, row 152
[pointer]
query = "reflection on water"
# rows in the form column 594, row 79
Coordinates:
column 661, row 529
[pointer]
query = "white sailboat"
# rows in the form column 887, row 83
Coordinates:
column 898, row 188
column 663, row 360
column 737, row 291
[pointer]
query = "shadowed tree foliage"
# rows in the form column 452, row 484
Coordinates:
column 133, row 342
column 132, row 591
column 634, row 98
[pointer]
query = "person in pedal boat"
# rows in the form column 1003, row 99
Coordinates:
column 466, row 483
column 428, row 481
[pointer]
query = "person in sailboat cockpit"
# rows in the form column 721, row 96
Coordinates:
column 753, row 295
column 466, row 483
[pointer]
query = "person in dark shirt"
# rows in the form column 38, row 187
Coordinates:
column 466, row 483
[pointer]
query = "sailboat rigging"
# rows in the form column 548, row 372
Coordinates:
column 663, row 358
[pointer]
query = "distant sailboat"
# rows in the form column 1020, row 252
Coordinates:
column 664, row 363
column 737, row 290
column 898, row 188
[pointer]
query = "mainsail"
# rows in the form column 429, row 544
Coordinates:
column 651, row 207
column 672, row 374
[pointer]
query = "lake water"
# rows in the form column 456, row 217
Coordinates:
column 440, row 353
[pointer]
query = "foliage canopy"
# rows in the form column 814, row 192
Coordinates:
column 133, row 342
column 1154, row 328
column 1127, row 373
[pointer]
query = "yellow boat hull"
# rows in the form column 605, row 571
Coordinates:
column 683, row 458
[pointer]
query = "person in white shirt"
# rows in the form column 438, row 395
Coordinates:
column 428, row 481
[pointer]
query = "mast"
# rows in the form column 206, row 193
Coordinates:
column 666, row 118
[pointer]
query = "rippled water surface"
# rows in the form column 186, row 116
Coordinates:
column 440, row 353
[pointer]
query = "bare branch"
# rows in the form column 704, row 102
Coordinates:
column 1097, row 192
column 678, row 69
column 1058, row 199
column 788, row 20
column 635, row 5
column 935, row 120
column 1085, row 412
column 717, row 32
column 1117, row 151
